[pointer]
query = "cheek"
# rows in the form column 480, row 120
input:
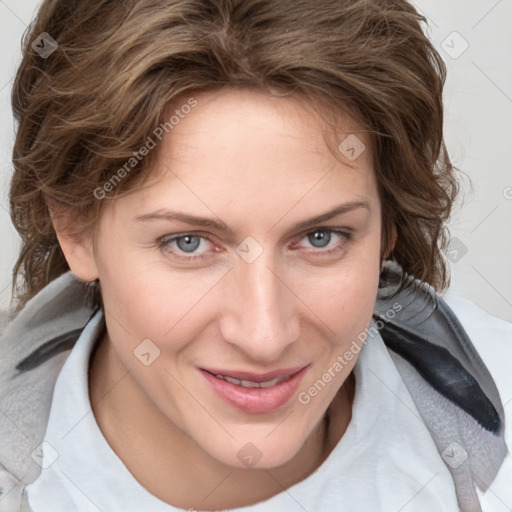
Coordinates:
column 348, row 308
column 143, row 299
column 344, row 298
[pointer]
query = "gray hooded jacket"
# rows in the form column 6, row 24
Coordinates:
column 450, row 385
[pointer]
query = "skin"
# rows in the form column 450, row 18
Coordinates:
column 260, row 165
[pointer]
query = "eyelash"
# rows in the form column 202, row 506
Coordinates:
column 345, row 237
column 163, row 243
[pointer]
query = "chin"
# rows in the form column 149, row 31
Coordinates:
column 258, row 452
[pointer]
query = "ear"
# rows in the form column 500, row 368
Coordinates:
column 391, row 243
column 78, row 248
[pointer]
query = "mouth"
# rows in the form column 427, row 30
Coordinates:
column 255, row 393
column 251, row 383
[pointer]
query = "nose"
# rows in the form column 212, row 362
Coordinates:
column 260, row 315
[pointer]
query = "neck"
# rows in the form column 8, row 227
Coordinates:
column 142, row 437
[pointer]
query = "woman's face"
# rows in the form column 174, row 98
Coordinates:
column 236, row 281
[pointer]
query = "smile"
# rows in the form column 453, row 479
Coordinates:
column 253, row 393
column 251, row 384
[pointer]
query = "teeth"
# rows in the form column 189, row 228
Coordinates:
column 272, row 382
column 251, row 384
column 232, row 380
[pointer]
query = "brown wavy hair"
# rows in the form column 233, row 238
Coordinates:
column 83, row 110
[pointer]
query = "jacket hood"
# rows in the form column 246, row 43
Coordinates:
column 450, row 385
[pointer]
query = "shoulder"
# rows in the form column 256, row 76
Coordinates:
column 492, row 338
column 34, row 345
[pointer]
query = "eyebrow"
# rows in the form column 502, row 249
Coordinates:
column 339, row 210
column 219, row 225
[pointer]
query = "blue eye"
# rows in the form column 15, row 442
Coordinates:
column 186, row 243
column 190, row 243
column 319, row 238
column 322, row 237
column 321, row 242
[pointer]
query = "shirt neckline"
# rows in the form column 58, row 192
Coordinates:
column 74, row 434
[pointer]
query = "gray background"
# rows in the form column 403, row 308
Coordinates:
column 475, row 40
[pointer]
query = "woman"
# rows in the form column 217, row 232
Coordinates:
column 211, row 197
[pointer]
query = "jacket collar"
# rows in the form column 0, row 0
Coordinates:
column 433, row 354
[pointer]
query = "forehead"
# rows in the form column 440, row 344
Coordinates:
column 246, row 148
column 248, row 122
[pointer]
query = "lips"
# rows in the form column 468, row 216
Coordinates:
column 255, row 393
column 251, row 383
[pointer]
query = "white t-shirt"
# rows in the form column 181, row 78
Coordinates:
column 385, row 462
